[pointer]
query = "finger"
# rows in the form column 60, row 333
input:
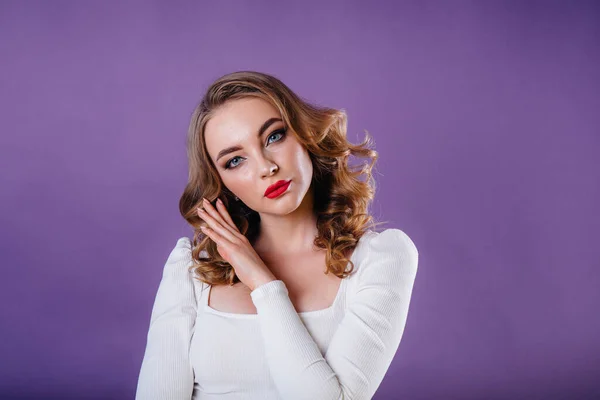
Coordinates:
column 216, row 225
column 223, row 210
column 212, row 234
column 220, row 216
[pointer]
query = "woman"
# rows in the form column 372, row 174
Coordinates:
column 284, row 291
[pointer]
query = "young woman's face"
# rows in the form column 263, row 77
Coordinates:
column 260, row 160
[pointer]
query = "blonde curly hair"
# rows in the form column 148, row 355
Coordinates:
column 341, row 199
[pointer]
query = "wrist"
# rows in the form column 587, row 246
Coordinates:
column 262, row 280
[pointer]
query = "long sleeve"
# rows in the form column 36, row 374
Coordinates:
column 362, row 348
column 166, row 372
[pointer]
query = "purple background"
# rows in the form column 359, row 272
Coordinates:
column 486, row 118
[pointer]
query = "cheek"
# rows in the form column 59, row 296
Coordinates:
column 302, row 161
column 240, row 181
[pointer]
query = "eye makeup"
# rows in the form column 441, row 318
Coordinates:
column 281, row 131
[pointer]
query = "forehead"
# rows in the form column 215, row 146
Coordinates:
column 236, row 122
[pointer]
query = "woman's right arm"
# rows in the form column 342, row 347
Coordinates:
column 166, row 372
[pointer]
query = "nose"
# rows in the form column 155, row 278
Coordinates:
column 268, row 168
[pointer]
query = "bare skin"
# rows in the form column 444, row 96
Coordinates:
column 288, row 224
column 309, row 289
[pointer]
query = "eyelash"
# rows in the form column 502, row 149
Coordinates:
column 281, row 131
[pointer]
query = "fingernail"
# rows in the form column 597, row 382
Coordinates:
column 219, row 201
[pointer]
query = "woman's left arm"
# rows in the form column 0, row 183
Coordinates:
column 363, row 346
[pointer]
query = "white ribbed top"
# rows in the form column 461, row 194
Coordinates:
column 342, row 352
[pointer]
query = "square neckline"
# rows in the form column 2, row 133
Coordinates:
column 341, row 290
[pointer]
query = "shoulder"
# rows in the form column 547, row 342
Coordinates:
column 179, row 259
column 393, row 240
column 182, row 250
column 390, row 250
column 184, row 245
column 182, row 254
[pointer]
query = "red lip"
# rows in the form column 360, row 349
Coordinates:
column 275, row 186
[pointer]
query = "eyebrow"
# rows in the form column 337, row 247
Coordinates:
column 262, row 130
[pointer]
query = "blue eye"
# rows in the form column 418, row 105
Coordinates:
column 227, row 166
column 279, row 132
